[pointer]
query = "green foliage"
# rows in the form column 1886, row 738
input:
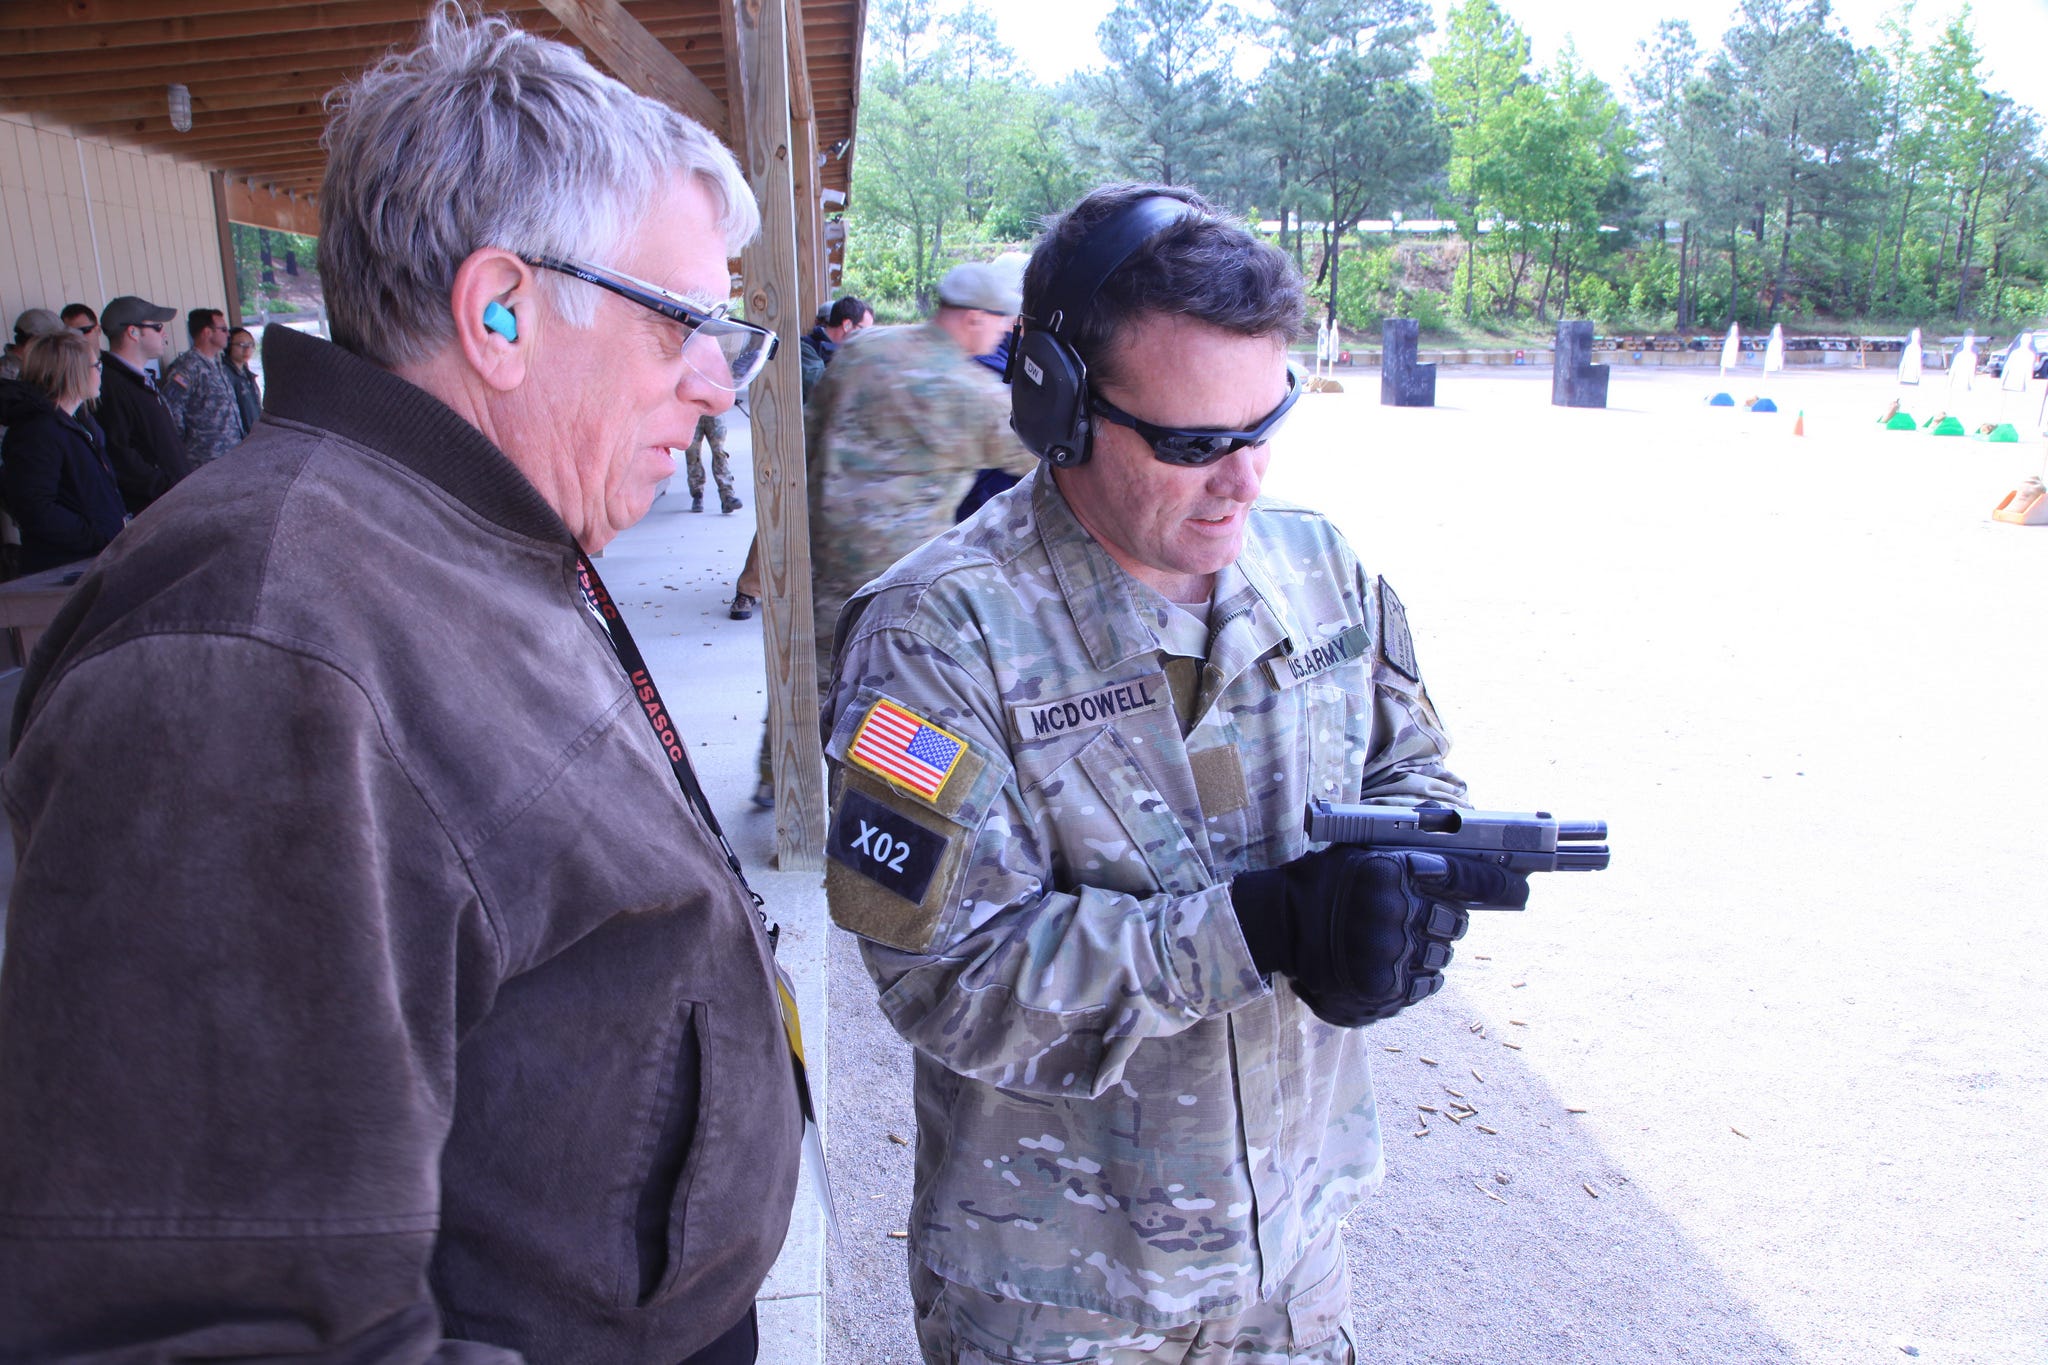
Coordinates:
column 1777, row 172
column 1165, row 100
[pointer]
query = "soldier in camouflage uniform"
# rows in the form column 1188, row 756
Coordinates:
column 1071, row 743
column 895, row 433
column 712, row 430
column 199, row 393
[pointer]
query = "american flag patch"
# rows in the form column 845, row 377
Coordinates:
column 909, row 751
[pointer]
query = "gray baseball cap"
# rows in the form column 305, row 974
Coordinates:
column 38, row 322
column 129, row 311
column 977, row 285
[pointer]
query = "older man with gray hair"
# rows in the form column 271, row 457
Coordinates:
column 377, row 983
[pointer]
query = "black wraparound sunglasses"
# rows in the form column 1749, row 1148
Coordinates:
column 1197, row 445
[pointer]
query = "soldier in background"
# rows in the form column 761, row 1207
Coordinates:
column 710, row 430
column 894, row 435
column 199, row 393
column 1072, row 741
column 836, row 322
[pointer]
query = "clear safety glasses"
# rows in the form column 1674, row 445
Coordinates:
column 742, row 349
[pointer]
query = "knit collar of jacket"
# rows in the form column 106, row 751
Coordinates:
column 322, row 385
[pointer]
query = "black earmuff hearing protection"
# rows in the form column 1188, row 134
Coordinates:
column 1048, row 378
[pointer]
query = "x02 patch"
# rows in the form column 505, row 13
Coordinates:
column 1395, row 644
column 904, row 748
column 890, row 850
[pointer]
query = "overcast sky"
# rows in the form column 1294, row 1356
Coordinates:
column 1055, row 37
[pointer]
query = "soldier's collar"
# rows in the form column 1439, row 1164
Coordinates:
column 1103, row 600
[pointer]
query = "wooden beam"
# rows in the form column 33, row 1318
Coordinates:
column 54, row 84
column 810, row 222
column 228, row 272
column 735, row 75
column 158, row 125
column 370, row 39
column 782, row 512
column 271, row 210
column 303, row 99
column 23, row 32
column 637, row 57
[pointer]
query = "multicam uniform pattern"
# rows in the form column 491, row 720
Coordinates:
column 1116, row 1113
column 712, row 430
column 202, row 403
column 895, row 433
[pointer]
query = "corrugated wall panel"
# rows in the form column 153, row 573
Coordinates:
column 152, row 216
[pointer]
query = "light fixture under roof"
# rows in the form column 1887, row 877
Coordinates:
column 181, row 108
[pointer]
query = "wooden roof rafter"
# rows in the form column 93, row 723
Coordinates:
column 259, row 70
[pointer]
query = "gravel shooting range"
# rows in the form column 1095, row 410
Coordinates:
column 1684, row 365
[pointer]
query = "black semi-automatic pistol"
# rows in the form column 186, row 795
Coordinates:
column 1521, row 841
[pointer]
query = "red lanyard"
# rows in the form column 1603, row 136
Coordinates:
column 656, row 711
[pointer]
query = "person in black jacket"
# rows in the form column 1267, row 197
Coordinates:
column 54, row 474
column 143, row 443
column 248, row 393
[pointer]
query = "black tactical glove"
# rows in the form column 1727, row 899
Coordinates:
column 1365, row 934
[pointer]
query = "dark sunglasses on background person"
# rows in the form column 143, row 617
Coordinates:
column 745, row 349
column 1198, row 445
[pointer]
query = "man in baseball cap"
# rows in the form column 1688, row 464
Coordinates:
column 983, row 287
column 33, row 322
column 143, row 443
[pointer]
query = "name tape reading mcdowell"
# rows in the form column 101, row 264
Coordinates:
column 1039, row 720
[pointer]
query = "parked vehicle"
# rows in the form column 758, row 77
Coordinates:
column 1996, row 364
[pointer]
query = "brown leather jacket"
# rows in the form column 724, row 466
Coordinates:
column 370, row 990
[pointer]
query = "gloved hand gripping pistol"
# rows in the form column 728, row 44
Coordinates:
column 1364, row 927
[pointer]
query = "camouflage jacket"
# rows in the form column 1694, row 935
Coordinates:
column 1116, row 1113
column 202, row 402
column 896, row 431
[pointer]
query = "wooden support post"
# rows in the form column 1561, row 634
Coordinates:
column 768, row 268
column 810, row 225
column 810, row 220
column 230, row 276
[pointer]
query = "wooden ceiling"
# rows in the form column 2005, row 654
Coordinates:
column 258, row 69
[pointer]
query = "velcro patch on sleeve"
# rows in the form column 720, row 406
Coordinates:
column 889, row 869
column 893, row 851
column 1395, row 645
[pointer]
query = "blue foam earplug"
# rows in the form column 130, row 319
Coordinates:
column 499, row 319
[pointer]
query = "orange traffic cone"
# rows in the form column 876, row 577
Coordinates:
column 1799, row 423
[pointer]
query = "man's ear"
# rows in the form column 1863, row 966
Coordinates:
column 499, row 350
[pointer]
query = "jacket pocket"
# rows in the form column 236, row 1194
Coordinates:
column 672, row 1157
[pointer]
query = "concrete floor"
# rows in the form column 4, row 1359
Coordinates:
column 1804, row 680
